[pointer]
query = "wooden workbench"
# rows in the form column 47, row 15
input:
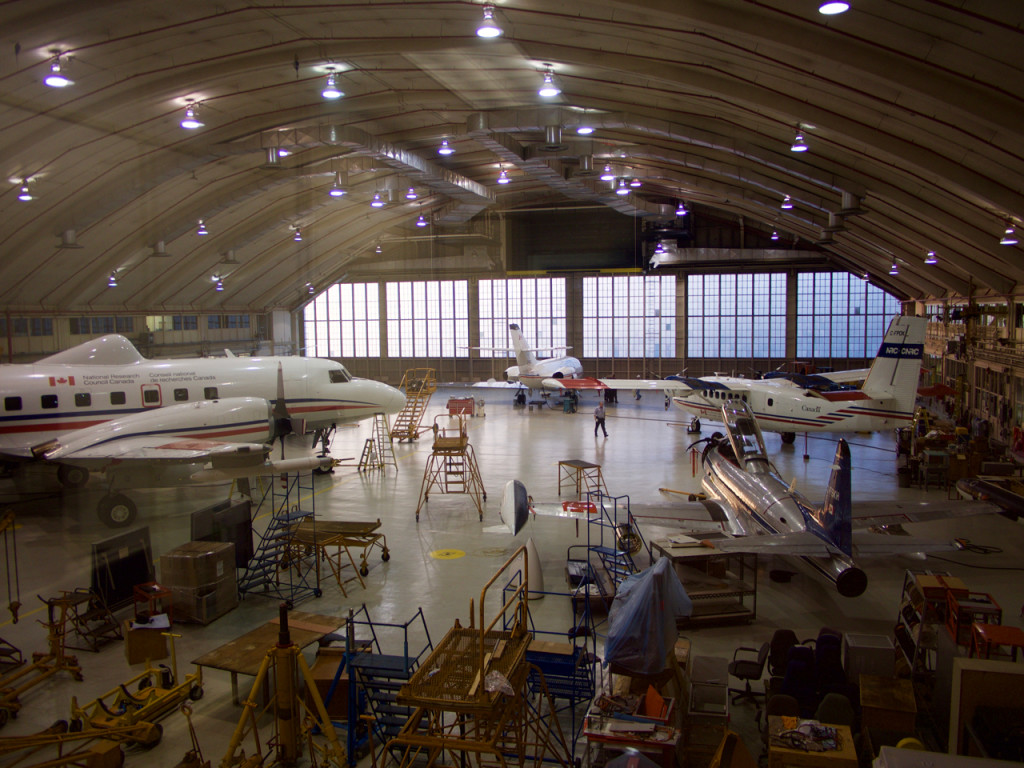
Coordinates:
column 244, row 654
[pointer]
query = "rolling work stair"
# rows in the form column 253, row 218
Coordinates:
column 418, row 384
column 452, row 467
column 377, row 450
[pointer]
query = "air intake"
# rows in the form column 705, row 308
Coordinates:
column 553, row 139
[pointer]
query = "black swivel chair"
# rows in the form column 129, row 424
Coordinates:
column 781, row 642
column 748, row 669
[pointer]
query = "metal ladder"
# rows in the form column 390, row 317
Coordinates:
column 377, row 450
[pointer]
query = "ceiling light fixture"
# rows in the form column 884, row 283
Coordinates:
column 584, row 130
column 503, row 177
column 931, row 258
column 112, row 282
column 331, row 90
column 445, row 148
column 411, row 194
column 337, row 188
column 622, row 188
column 421, row 222
column 833, row 7
column 1009, row 236
column 191, row 120
column 378, row 249
column 681, row 209
column 607, row 174
column 634, row 182
column 548, row 89
column 202, row 230
column 283, row 152
column 775, row 234
column 57, row 78
column 310, row 289
column 23, row 194
column 220, row 285
column 894, row 270
column 787, row 203
column 377, row 201
column 297, row 237
column 489, row 27
column 798, row 144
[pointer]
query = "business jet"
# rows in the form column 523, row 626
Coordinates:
column 102, row 407
column 531, row 371
column 748, row 500
column 885, row 400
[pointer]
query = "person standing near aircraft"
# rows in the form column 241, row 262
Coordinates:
column 599, row 419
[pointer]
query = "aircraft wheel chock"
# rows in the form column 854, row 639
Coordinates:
column 117, row 510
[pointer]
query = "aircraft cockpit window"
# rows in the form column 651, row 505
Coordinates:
column 83, row 399
column 48, row 401
column 12, row 403
column 210, row 393
column 117, row 398
column 180, row 395
column 339, row 376
column 744, row 432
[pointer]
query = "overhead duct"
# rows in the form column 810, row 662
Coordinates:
column 67, row 239
column 273, row 161
column 851, row 205
column 553, row 139
column 586, row 167
column 159, row 249
column 835, row 223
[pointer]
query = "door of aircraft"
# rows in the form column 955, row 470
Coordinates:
column 151, row 396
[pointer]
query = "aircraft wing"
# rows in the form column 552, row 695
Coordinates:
column 878, row 513
column 800, row 543
column 161, row 448
column 869, row 543
column 589, row 382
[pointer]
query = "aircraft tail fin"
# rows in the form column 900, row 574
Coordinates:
column 895, row 371
column 835, row 515
column 524, row 357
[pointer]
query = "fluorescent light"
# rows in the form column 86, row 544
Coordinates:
column 931, row 258
column 833, row 7
column 798, row 144
column 503, row 177
column 411, row 194
column 421, row 222
column 191, row 120
column 548, row 88
column 1009, row 236
column 377, row 202
column 202, row 230
column 786, row 203
column 445, row 148
column 56, row 78
column 584, row 130
column 489, row 27
column 331, row 90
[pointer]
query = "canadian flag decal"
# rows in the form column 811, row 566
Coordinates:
column 55, row 381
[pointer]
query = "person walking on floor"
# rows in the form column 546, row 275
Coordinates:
column 599, row 419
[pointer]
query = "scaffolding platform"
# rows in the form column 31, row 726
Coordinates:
column 452, row 467
column 418, row 384
column 334, row 541
column 582, row 476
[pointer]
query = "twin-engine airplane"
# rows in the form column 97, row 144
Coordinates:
column 747, row 499
column 102, row 407
column 825, row 404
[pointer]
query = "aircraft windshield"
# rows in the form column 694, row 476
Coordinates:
column 744, row 434
column 339, row 375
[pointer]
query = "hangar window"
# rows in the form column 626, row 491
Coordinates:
column 83, row 399
column 181, row 394
column 428, row 318
column 12, row 403
column 117, row 398
column 210, row 393
column 48, row 401
column 537, row 305
column 629, row 316
column 840, row 316
column 343, row 321
column 736, row 316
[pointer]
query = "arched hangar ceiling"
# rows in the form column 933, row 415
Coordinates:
column 912, row 112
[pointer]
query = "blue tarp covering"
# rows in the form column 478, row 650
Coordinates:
column 643, row 619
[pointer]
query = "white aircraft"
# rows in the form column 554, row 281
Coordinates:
column 530, row 371
column 102, row 407
column 748, row 500
column 886, row 399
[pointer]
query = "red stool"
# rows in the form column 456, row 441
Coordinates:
column 156, row 598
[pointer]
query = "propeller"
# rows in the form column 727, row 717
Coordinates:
column 282, row 419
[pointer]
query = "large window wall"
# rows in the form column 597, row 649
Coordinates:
column 537, row 305
column 840, row 315
column 344, row 321
column 736, row 316
column 629, row 316
column 428, row 319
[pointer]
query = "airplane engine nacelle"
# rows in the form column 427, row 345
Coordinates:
column 851, row 582
column 565, row 372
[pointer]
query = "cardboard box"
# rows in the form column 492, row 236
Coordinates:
column 324, row 667
column 197, row 564
column 204, row 604
column 934, row 586
column 141, row 643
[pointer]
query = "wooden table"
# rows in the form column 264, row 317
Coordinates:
column 843, row 757
column 887, row 702
column 244, row 654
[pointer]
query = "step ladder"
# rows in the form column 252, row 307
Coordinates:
column 451, row 466
column 10, row 656
column 614, row 537
column 91, row 619
column 279, row 568
column 418, row 384
column 377, row 450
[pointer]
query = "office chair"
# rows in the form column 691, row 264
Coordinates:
column 782, row 640
column 748, row 669
column 836, row 709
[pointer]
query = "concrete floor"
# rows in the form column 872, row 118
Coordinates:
column 441, row 562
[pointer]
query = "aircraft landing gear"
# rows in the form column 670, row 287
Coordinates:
column 788, row 438
column 72, row 477
column 694, row 426
column 116, row 510
column 323, row 436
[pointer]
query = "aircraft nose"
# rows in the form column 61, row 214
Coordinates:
column 395, row 401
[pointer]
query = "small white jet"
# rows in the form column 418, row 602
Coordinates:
column 102, row 407
column 747, row 499
column 885, row 401
column 530, row 371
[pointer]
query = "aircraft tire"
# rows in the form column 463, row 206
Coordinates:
column 117, row 511
column 72, row 477
column 788, row 438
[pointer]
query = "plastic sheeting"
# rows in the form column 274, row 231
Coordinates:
column 643, row 619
